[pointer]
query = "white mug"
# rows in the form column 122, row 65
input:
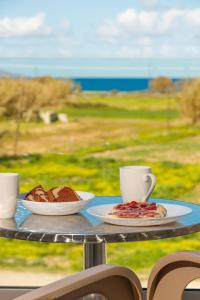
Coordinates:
column 9, row 190
column 136, row 183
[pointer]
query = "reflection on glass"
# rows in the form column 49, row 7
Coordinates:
column 9, row 224
column 55, row 224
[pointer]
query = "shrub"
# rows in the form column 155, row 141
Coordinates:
column 189, row 100
column 180, row 84
column 22, row 98
column 114, row 92
column 162, row 85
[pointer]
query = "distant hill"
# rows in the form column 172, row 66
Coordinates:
column 8, row 74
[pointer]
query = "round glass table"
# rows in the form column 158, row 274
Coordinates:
column 91, row 232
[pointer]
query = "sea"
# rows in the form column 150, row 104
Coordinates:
column 103, row 74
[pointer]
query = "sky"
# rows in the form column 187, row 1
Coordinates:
column 100, row 29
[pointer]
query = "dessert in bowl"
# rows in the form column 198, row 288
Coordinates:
column 56, row 201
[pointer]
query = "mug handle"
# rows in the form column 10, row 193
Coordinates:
column 153, row 183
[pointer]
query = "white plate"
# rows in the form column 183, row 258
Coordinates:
column 174, row 212
column 59, row 208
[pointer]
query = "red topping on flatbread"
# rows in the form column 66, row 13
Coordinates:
column 138, row 210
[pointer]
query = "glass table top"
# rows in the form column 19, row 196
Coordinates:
column 85, row 228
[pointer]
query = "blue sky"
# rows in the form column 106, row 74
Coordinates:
column 106, row 28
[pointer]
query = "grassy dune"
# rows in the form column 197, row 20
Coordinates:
column 104, row 133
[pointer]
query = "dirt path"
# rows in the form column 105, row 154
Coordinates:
column 15, row 278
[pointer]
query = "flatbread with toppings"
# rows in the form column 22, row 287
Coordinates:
column 149, row 210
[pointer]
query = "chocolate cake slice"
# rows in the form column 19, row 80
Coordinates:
column 63, row 194
column 37, row 194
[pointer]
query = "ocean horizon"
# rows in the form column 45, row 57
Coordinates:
column 114, row 84
column 102, row 74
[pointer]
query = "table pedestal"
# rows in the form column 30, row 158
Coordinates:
column 94, row 255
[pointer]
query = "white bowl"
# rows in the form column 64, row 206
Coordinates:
column 58, row 208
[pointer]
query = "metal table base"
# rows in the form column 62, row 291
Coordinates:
column 94, row 255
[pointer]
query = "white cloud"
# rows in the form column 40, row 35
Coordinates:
column 134, row 22
column 24, row 26
column 153, row 33
column 135, row 52
column 65, row 24
column 65, row 53
column 144, row 41
column 167, row 50
column 109, row 31
column 149, row 3
column 150, row 51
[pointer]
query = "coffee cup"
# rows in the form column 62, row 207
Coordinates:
column 136, row 183
column 9, row 189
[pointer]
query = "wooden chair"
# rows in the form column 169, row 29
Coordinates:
column 172, row 274
column 113, row 282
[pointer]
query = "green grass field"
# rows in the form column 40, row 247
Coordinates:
column 104, row 133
